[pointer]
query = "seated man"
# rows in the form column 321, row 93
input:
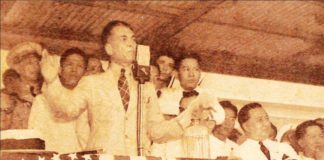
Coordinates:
column 7, row 106
column 255, row 123
column 310, row 137
column 60, row 132
column 189, row 93
column 219, row 142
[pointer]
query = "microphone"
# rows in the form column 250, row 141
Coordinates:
column 141, row 68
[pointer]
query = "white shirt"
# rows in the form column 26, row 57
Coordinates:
column 217, row 148
column 59, row 134
column 220, row 148
column 250, row 150
column 170, row 102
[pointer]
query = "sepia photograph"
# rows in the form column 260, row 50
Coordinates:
column 162, row 80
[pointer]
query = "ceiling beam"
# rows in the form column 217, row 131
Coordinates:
column 161, row 34
column 307, row 37
column 121, row 6
column 251, row 66
column 51, row 33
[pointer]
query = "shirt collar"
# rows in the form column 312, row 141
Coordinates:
column 252, row 141
column 116, row 68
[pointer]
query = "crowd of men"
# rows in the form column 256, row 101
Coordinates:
column 77, row 105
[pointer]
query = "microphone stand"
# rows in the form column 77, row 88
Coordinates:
column 142, row 75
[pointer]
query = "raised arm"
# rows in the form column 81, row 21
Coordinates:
column 218, row 113
column 62, row 101
column 69, row 103
column 209, row 100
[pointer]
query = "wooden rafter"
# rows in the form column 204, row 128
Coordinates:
column 307, row 37
column 124, row 6
column 51, row 33
column 250, row 66
column 177, row 24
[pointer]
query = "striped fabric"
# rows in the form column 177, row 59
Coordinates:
column 123, row 89
column 80, row 156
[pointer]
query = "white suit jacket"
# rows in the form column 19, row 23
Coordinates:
column 250, row 150
column 111, row 128
column 59, row 134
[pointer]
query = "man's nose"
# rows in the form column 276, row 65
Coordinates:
column 131, row 43
column 164, row 68
column 191, row 73
column 74, row 69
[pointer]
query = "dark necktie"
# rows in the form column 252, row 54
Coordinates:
column 265, row 150
column 123, row 89
column 284, row 157
column 187, row 95
column 158, row 93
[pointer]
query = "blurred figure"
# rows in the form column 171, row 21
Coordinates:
column 256, row 125
column 11, row 81
column 165, row 63
column 219, row 142
column 59, row 131
column 94, row 66
column 10, row 99
column 310, row 137
column 24, row 59
column 290, row 138
column 8, row 104
column 166, row 77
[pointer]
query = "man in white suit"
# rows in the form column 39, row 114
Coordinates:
column 256, row 125
column 111, row 99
